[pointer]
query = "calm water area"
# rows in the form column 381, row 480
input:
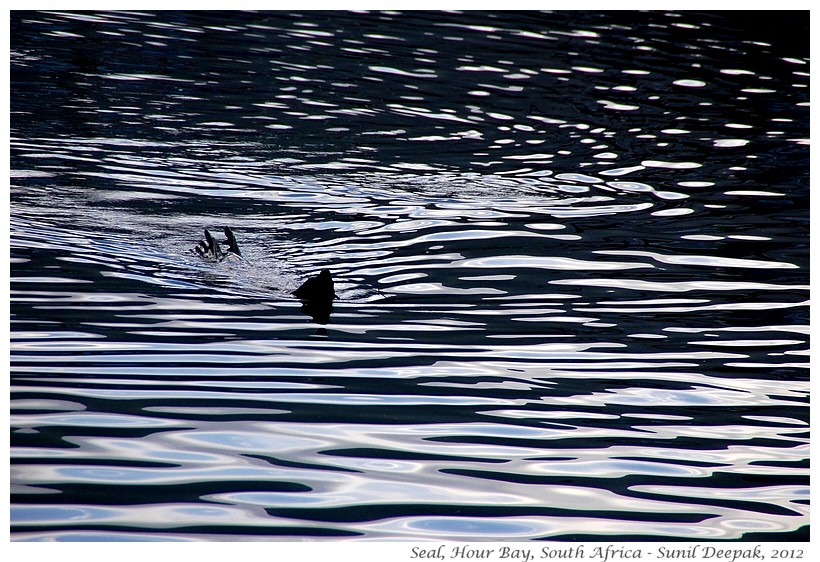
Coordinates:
column 570, row 249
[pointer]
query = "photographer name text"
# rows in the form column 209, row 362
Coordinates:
column 606, row 553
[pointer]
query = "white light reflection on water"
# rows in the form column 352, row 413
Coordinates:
column 552, row 321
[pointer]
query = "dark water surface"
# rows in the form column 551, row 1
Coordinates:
column 571, row 253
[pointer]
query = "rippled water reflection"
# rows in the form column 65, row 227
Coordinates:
column 570, row 249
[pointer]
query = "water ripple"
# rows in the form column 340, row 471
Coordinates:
column 572, row 290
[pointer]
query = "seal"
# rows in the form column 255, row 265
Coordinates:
column 318, row 288
column 210, row 249
column 317, row 294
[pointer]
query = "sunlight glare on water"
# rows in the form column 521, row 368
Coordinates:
column 570, row 254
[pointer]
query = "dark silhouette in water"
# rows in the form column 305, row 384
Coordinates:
column 317, row 288
column 209, row 248
column 319, row 311
column 230, row 240
column 317, row 294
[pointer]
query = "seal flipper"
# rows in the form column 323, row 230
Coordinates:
column 230, row 240
column 209, row 248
